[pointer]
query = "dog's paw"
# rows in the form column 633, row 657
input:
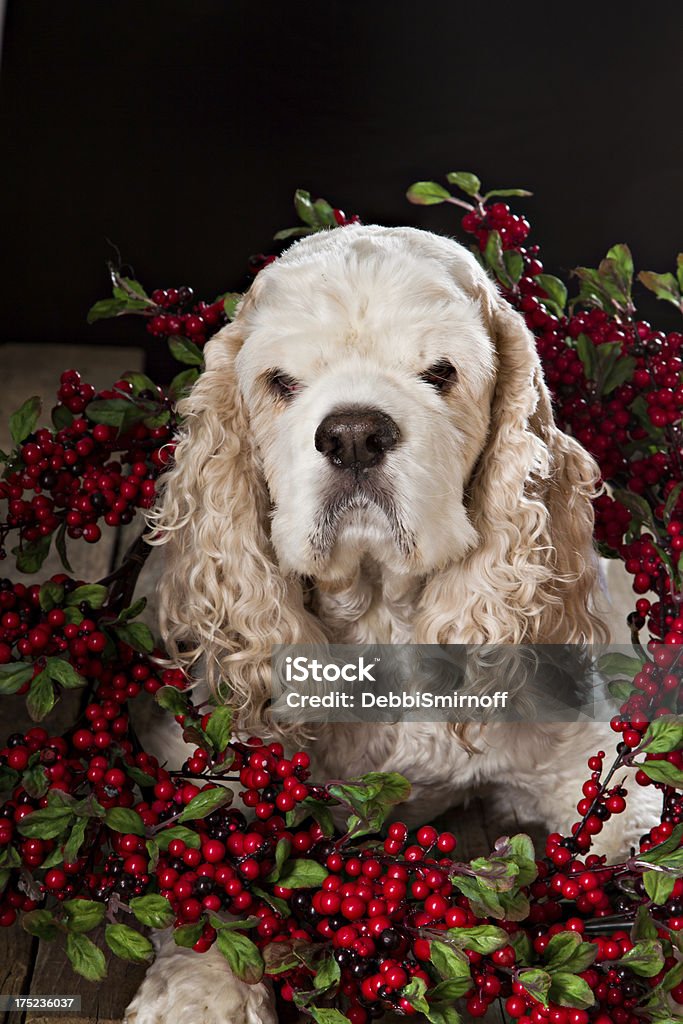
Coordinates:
column 199, row 990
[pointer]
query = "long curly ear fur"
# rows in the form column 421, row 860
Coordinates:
column 222, row 596
column 533, row 574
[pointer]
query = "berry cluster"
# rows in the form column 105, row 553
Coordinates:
column 85, row 471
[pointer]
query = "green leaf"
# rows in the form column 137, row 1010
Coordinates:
column 31, row 556
column 327, row 975
column 664, row 735
column 618, row 374
column 536, row 983
column 40, row 923
column 619, row 665
column 61, row 417
column 242, row 955
column 469, row 183
column 662, row 771
column 643, row 926
column 672, row 501
column 9, row 858
column 658, row 885
column 482, row 938
column 51, row 595
column 142, row 778
column 427, row 193
column 219, row 728
column 283, row 956
column 187, row 835
column 282, row 852
column 315, row 809
column 124, row 819
column 133, row 286
column 620, row 256
column 636, row 505
column 302, row 874
column 521, row 943
column 53, row 859
column 279, row 905
column 106, row 308
column 524, row 856
column 554, row 289
column 185, row 351
column 645, row 959
column 40, row 699
column 75, row 840
column 121, row 413
column 567, row 951
column 83, row 915
column 86, row 959
column 450, row 989
column 182, row 383
column 414, row 992
column 570, row 990
column 128, row 944
column 664, row 286
column 443, row 1012
column 453, row 967
column 172, row 699
column 230, row 303
column 60, row 544
column 14, row 675
column 24, row 421
column 514, row 264
column 304, row 207
column 504, row 192
column 324, row 214
column 60, row 671
column 299, row 232
column 493, row 254
column 659, row 853
column 484, row 901
column 154, row 910
column 586, row 353
column 188, row 934
column 141, row 382
column 327, row 1016
column 205, row 803
column 137, row 635
column 35, row 781
column 93, row 594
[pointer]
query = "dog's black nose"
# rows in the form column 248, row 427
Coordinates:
column 356, row 439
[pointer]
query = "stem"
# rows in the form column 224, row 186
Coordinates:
column 122, row 581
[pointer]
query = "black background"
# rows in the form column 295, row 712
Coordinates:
column 179, row 129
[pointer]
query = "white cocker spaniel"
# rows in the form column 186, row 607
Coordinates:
column 370, row 457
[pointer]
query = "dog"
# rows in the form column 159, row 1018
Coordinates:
column 370, row 457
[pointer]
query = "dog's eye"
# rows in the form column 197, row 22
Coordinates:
column 441, row 375
column 282, row 384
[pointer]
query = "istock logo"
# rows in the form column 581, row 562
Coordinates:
column 302, row 670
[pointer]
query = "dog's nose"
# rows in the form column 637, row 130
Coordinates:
column 356, row 439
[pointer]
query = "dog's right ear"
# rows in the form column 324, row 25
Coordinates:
column 222, row 595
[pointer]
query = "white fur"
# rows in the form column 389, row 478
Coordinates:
column 495, row 499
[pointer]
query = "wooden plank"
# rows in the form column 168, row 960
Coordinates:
column 102, row 1003
column 17, row 955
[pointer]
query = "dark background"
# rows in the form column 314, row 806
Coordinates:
column 179, row 129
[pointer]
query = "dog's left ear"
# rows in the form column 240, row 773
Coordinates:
column 532, row 577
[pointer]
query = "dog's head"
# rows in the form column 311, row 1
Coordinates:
column 375, row 398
